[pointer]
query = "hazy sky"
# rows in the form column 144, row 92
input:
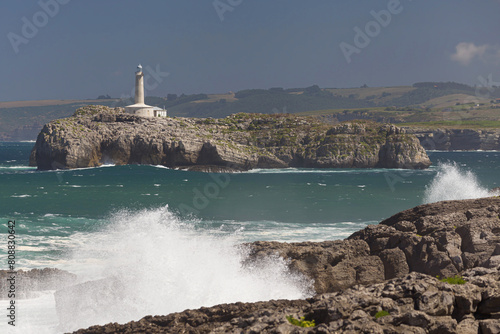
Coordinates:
column 65, row 49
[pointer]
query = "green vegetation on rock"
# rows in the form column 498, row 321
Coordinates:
column 300, row 322
column 96, row 109
column 454, row 280
column 381, row 314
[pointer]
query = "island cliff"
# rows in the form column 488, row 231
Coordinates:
column 97, row 135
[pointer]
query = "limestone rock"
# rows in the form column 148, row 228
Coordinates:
column 446, row 238
column 96, row 135
column 395, row 264
column 490, row 326
column 439, row 239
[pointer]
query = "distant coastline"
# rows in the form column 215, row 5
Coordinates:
column 425, row 105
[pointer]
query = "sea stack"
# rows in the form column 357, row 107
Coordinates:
column 139, row 108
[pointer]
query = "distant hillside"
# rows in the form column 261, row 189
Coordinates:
column 279, row 100
column 420, row 102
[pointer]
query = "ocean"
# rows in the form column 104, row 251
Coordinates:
column 173, row 237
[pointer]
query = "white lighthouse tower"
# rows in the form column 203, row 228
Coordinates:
column 139, row 108
column 139, row 86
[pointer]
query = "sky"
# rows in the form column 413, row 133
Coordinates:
column 80, row 49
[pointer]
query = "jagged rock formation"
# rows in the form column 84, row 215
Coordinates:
column 443, row 239
column 457, row 139
column 388, row 267
column 96, row 135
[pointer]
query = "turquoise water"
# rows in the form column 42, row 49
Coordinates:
column 184, row 227
column 285, row 204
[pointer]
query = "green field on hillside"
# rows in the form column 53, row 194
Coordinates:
column 431, row 103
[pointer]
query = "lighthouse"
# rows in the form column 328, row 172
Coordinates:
column 139, row 108
column 139, row 85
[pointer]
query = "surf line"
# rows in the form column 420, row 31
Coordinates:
column 11, row 265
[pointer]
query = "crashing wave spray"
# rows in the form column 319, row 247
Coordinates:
column 453, row 183
column 150, row 262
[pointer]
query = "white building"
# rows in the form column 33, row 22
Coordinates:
column 139, row 108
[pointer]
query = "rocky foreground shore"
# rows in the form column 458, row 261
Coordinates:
column 382, row 279
column 97, row 135
column 415, row 303
column 434, row 268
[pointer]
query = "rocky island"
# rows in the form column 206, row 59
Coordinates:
column 430, row 269
column 97, row 135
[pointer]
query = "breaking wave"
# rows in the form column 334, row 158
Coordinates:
column 454, row 183
column 150, row 262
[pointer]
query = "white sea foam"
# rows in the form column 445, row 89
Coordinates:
column 161, row 166
column 72, row 170
column 289, row 232
column 30, row 317
column 293, row 170
column 18, row 167
column 150, row 262
column 453, row 183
